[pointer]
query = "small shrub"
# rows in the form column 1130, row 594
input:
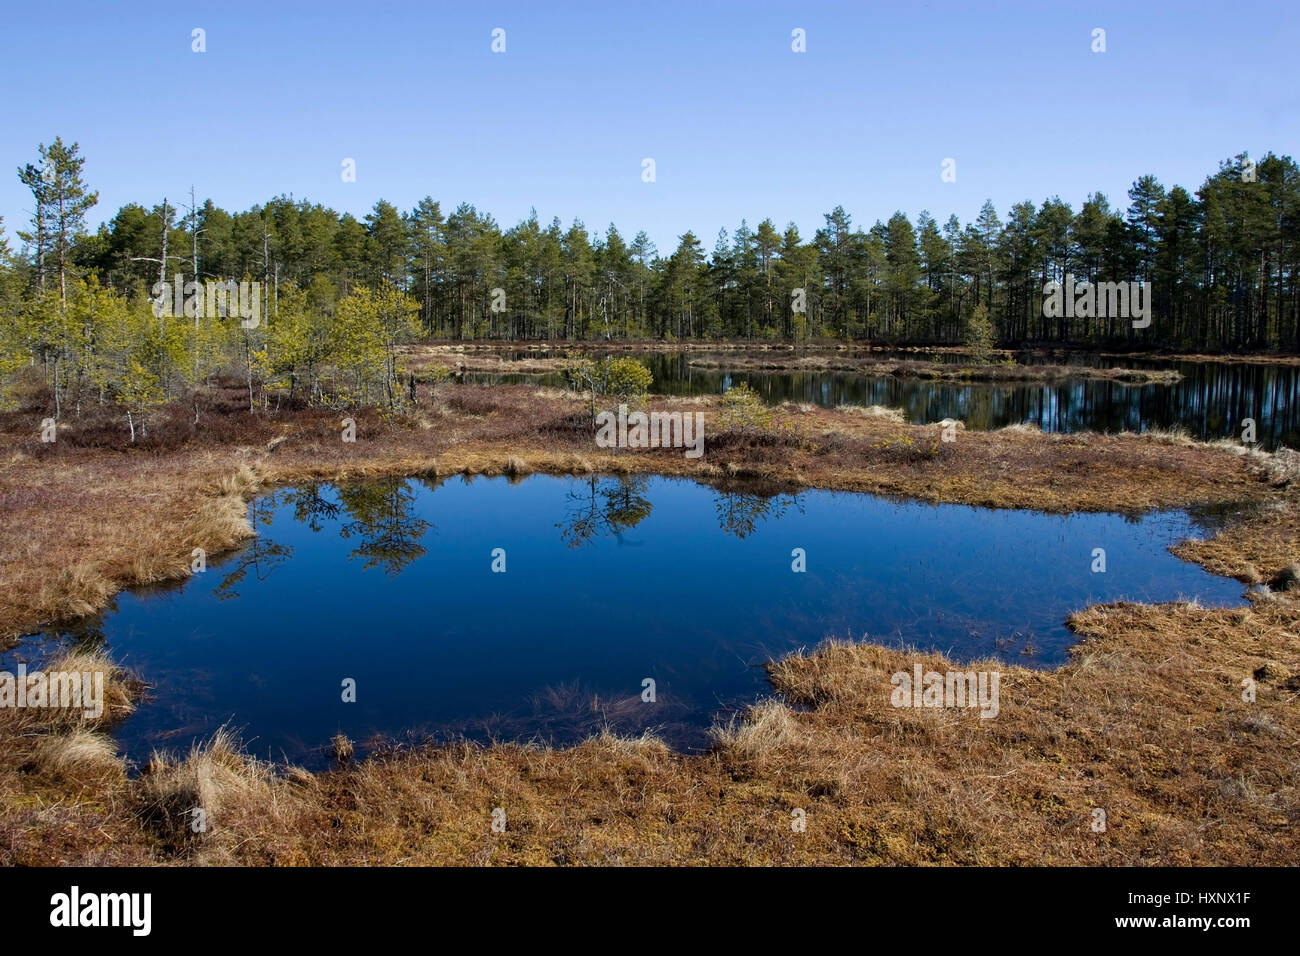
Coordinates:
column 979, row 336
column 624, row 379
column 743, row 410
column 900, row 447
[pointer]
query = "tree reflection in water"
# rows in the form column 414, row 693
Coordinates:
column 605, row 506
column 261, row 556
column 388, row 533
column 380, row 517
column 382, row 521
column 740, row 512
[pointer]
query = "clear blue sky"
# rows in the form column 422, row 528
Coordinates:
column 737, row 123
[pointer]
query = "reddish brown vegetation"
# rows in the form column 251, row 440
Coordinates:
column 1147, row 721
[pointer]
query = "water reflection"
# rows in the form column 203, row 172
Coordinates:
column 612, row 580
column 741, row 512
column 1210, row 402
column 381, row 519
column 603, row 507
column 611, row 506
column 383, row 524
column 260, row 556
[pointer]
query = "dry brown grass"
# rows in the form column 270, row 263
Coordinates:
column 120, row 690
column 80, row 756
column 64, row 791
column 208, row 804
column 821, row 361
column 1259, row 358
column 883, row 412
column 459, row 359
column 78, row 526
column 343, row 748
column 766, row 727
column 1146, row 721
column 75, row 592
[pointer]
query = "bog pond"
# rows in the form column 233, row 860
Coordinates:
column 607, row 582
column 1209, row 401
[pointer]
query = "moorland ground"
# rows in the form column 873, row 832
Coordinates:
column 1147, row 720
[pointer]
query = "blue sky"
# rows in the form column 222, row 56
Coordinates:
column 738, row 124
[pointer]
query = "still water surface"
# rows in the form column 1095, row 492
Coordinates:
column 608, row 581
column 1209, row 402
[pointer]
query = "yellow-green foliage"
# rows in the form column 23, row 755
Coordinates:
column 627, row 378
column 743, row 410
column 363, row 340
column 107, row 349
column 622, row 378
column 902, row 445
column 980, row 338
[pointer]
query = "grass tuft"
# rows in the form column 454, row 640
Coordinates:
column 767, row 726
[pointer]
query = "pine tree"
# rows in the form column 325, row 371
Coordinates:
column 66, row 200
column 979, row 335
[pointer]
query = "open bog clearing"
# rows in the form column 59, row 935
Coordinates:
column 553, row 607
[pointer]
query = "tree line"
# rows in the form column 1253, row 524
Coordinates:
column 339, row 294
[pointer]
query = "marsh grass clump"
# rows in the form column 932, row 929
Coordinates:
column 516, row 467
column 343, row 748
column 80, row 756
column 69, row 744
column 902, row 447
column 765, row 728
column 104, row 693
column 1287, row 580
column 120, row 688
column 882, row 412
column 1020, row 428
column 75, row 592
column 1283, row 467
column 216, row 791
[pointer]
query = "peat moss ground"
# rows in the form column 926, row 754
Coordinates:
column 483, row 360
column 1147, row 721
column 1054, row 364
column 1006, row 371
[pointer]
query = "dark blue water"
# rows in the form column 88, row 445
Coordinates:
column 608, row 581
